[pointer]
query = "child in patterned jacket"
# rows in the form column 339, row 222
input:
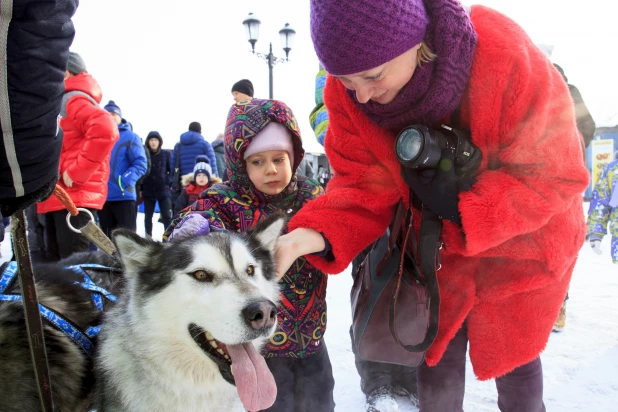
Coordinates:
column 604, row 210
column 263, row 149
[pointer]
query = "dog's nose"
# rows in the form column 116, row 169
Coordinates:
column 260, row 315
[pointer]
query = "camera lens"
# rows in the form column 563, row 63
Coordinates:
column 418, row 147
column 409, row 145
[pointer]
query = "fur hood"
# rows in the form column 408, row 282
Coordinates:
column 188, row 179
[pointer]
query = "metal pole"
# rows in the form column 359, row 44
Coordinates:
column 270, row 72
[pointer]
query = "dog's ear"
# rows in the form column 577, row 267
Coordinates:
column 267, row 231
column 135, row 251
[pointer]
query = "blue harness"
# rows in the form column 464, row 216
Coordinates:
column 81, row 338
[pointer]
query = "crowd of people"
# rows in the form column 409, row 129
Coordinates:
column 504, row 267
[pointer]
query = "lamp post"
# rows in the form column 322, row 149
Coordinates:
column 252, row 28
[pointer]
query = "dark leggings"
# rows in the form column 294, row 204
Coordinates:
column 303, row 385
column 441, row 388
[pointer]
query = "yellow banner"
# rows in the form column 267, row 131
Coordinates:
column 602, row 154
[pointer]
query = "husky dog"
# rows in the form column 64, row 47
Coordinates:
column 71, row 374
column 185, row 334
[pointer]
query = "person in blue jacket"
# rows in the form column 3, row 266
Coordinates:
column 191, row 145
column 127, row 164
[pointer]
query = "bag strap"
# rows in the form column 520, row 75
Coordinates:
column 430, row 244
column 394, row 228
column 177, row 162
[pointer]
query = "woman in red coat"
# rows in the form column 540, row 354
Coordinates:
column 511, row 239
column 89, row 136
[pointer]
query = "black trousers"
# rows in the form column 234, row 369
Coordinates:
column 375, row 375
column 60, row 241
column 442, row 387
column 115, row 215
column 165, row 208
column 303, row 385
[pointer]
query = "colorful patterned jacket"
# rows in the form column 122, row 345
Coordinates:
column 237, row 205
column 604, row 207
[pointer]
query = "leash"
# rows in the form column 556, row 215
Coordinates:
column 29, row 298
column 82, row 338
column 32, row 315
column 90, row 230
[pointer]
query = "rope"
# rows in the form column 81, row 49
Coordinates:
column 65, row 199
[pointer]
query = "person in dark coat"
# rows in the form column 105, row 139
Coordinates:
column 155, row 187
column 127, row 164
column 219, row 149
column 585, row 122
column 35, row 58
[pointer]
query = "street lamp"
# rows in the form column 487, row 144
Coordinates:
column 252, row 29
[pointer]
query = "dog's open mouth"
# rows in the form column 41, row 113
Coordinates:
column 240, row 365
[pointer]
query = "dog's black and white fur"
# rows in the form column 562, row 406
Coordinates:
column 70, row 368
column 156, row 351
column 164, row 346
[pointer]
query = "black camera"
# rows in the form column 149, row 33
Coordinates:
column 418, row 147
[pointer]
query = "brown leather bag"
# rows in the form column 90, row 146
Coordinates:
column 392, row 302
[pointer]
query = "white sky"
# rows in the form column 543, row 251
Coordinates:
column 168, row 64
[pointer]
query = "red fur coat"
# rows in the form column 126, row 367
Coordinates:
column 507, row 269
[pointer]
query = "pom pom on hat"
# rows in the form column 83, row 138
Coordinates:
column 202, row 165
column 112, row 107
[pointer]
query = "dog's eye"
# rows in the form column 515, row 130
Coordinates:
column 202, row 276
column 250, row 270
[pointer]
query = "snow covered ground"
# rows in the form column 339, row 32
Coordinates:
column 580, row 364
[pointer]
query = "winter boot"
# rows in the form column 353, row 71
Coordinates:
column 382, row 400
column 401, row 391
column 561, row 321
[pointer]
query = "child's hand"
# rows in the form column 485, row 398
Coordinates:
column 191, row 225
column 295, row 244
column 596, row 246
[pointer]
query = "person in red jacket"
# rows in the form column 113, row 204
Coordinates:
column 89, row 136
column 510, row 236
column 195, row 183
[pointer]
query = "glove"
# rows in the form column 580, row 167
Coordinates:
column 596, row 246
column 140, row 198
column 191, row 225
column 438, row 189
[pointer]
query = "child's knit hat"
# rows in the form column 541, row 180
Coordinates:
column 202, row 165
column 274, row 136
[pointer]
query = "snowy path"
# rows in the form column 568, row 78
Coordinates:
column 580, row 364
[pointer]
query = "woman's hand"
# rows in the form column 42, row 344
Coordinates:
column 295, row 244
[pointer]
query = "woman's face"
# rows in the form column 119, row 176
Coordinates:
column 383, row 83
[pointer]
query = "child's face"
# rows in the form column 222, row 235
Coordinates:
column 270, row 172
column 201, row 179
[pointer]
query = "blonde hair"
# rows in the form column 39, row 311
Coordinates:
column 424, row 54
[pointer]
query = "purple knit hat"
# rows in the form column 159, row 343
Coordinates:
column 351, row 36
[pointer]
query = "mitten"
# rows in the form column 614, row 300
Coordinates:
column 191, row 225
column 438, row 189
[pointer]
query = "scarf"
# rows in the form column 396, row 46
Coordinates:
column 436, row 87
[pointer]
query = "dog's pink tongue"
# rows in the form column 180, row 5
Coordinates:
column 255, row 384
